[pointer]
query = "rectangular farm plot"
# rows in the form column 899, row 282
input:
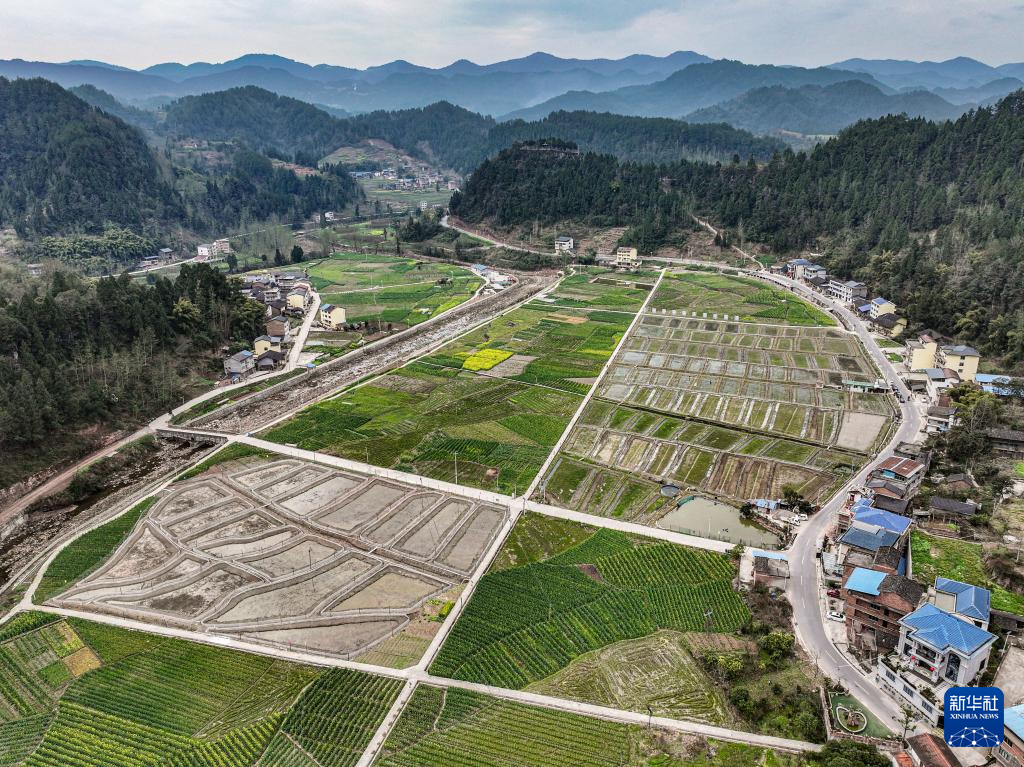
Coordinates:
column 527, row 622
column 309, row 566
column 467, row 420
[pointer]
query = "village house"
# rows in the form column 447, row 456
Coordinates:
column 1008, row 441
column 848, row 292
column 929, row 750
column 278, row 327
column 875, row 603
column 875, row 540
column 204, row 251
column 563, row 244
column 939, row 380
column 919, row 353
column 771, row 569
column 942, row 509
column 332, row 316
column 299, row 298
column 902, row 472
column 221, row 247
column 239, row 365
column 269, row 360
column 970, row 603
column 939, row 419
column 962, row 359
column 1010, row 753
column 626, row 258
column 266, row 344
column 876, row 307
column 937, row 650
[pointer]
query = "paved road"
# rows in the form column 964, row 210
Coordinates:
column 805, row 591
column 300, row 338
column 496, row 243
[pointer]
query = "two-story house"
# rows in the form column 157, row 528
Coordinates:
column 298, row 298
column 264, row 344
column 936, row 650
column 239, row 365
column 563, row 244
column 971, row 603
column 1011, row 752
column 278, row 327
column 875, row 602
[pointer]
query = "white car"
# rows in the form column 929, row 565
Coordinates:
column 834, row 616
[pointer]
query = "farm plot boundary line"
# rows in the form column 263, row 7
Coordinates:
column 593, row 390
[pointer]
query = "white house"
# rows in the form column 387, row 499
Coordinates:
column 204, row 251
column 847, row 292
column 563, row 244
column 937, row 650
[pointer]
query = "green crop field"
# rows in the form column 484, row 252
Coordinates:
column 488, row 406
column 749, row 299
column 389, row 288
column 87, row 552
column 603, row 289
column 527, row 622
column 439, row 728
column 132, row 699
column 932, row 556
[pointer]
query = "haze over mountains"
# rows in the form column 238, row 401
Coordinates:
column 764, row 99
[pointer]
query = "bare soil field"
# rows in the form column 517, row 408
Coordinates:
column 284, row 552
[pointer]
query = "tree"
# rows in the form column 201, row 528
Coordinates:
column 777, row 646
column 848, row 753
column 279, row 259
column 297, row 255
column 232, row 262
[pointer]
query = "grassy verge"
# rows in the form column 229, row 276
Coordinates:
column 87, row 552
column 962, row 561
column 230, row 453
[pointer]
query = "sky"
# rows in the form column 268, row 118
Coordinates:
column 359, row 33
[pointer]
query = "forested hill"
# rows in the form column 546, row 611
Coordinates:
column 637, row 139
column 445, row 134
column 931, row 215
column 69, row 168
column 77, row 353
column 66, row 165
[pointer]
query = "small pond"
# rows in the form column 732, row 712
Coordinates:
column 708, row 518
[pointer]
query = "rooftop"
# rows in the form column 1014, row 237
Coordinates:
column 869, row 539
column 972, row 601
column 887, row 503
column 932, row 751
column 1013, row 718
column 886, row 520
column 879, row 301
column 961, row 350
column 865, row 581
column 941, row 503
column 901, row 467
column 941, row 631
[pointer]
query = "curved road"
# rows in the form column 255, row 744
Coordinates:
column 805, row 591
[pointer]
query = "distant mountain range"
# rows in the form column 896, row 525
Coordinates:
column 816, row 109
column 767, row 99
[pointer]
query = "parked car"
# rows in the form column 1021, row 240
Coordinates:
column 834, row 593
column 834, row 616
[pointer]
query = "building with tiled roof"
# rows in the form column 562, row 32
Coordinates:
column 971, row 603
column 936, row 650
column 1011, row 752
column 875, row 602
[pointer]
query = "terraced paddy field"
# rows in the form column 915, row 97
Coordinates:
column 575, row 613
column 484, row 410
column 285, row 553
column 402, row 291
column 736, row 409
column 446, row 727
column 80, row 694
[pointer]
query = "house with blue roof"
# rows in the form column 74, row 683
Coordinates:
column 886, row 520
column 937, row 650
column 972, row 603
column 1011, row 752
column 875, row 602
column 879, row 306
